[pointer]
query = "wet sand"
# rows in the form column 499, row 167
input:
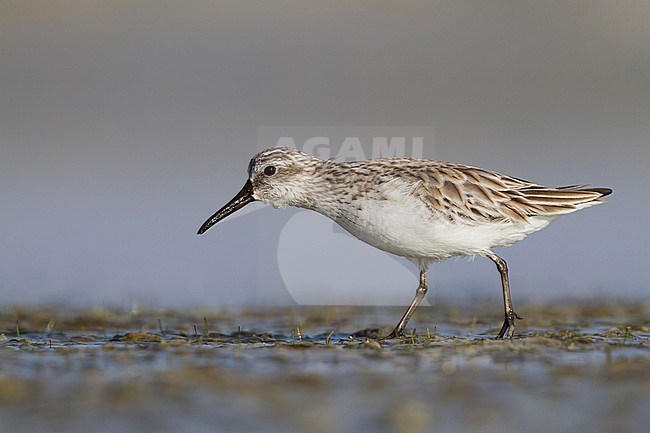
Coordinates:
column 571, row 367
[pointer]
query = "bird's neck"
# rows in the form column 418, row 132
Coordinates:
column 326, row 188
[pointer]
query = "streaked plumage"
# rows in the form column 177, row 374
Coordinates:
column 423, row 210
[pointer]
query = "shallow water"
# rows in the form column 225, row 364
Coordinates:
column 570, row 368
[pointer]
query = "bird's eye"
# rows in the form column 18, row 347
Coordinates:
column 269, row 170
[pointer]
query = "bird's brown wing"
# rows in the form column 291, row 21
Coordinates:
column 467, row 194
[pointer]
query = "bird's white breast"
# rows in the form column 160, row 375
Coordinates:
column 403, row 225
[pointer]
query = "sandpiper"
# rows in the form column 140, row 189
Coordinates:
column 423, row 210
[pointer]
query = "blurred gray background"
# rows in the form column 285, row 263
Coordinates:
column 125, row 124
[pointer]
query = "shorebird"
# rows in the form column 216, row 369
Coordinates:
column 423, row 210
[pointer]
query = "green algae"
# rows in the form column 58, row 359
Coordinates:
column 570, row 367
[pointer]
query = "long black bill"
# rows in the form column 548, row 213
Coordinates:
column 242, row 198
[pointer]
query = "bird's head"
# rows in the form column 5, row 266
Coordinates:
column 277, row 176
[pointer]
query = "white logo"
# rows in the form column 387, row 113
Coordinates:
column 351, row 148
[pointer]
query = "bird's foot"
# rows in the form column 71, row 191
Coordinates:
column 367, row 333
column 508, row 328
column 396, row 333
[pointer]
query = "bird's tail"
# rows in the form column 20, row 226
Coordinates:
column 582, row 187
column 602, row 191
column 542, row 201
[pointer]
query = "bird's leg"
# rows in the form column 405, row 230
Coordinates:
column 508, row 328
column 419, row 296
